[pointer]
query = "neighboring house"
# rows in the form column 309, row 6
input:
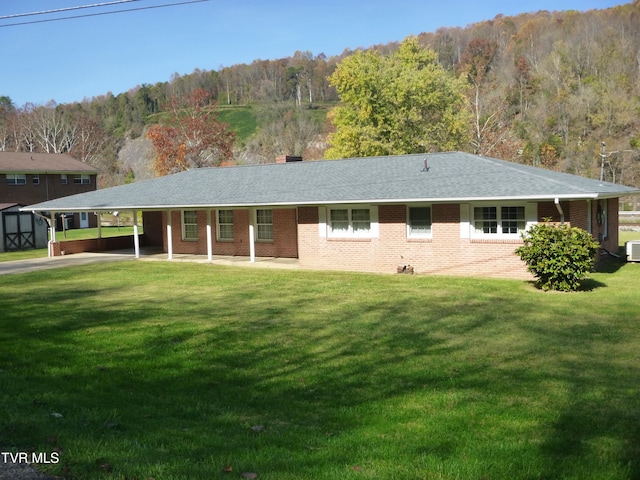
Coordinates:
column 445, row 213
column 28, row 178
column 20, row 230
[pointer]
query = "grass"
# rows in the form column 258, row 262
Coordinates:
column 166, row 372
column 23, row 255
column 74, row 234
column 241, row 119
column 85, row 233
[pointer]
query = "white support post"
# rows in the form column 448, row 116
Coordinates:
column 52, row 234
column 99, row 216
column 252, row 237
column 136, row 237
column 209, row 237
column 169, row 237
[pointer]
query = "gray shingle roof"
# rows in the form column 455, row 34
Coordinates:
column 451, row 177
column 21, row 162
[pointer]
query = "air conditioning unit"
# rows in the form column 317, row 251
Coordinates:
column 633, row 251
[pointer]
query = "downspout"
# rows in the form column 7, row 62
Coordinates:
column 169, row 236
column 252, row 238
column 51, row 233
column 559, row 208
column 209, row 237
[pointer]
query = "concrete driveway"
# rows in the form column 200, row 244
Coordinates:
column 31, row 265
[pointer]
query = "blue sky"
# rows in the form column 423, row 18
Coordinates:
column 69, row 60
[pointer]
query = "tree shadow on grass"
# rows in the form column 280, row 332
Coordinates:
column 601, row 416
column 263, row 381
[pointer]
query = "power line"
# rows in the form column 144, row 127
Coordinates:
column 66, row 9
column 104, row 13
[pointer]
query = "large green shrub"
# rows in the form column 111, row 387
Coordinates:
column 559, row 256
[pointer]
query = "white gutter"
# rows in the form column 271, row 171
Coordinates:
column 377, row 201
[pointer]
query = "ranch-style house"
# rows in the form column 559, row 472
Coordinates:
column 444, row 213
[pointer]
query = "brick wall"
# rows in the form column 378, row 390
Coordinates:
column 284, row 244
column 446, row 253
column 68, row 247
column 50, row 187
column 152, row 228
column 576, row 214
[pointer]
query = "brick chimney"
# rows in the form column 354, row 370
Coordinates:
column 287, row 159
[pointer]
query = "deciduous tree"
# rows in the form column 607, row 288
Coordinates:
column 399, row 103
column 193, row 137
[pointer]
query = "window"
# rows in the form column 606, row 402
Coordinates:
column 350, row 222
column 35, row 179
column 83, row 179
column 264, row 222
column 16, row 179
column 419, row 222
column 225, row 225
column 63, row 178
column 513, row 221
column 189, row 225
column 494, row 220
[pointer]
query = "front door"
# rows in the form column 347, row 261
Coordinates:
column 84, row 220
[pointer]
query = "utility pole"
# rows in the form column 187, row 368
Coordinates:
column 603, row 155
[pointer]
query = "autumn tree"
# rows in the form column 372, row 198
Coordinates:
column 192, row 137
column 475, row 65
column 399, row 103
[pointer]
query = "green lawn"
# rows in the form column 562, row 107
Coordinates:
column 74, row 234
column 186, row 371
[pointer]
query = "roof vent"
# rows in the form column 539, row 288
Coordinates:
column 426, row 165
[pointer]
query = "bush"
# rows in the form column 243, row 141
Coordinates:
column 559, row 256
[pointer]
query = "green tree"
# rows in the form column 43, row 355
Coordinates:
column 396, row 104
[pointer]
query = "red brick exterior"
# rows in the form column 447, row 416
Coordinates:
column 69, row 247
column 50, row 186
column 576, row 214
column 284, row 244
column 449, row 251
column 152, row 228
column 446, row 253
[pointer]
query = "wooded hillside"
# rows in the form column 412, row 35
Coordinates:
column 544, row 88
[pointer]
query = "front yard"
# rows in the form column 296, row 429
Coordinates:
column 142, row 370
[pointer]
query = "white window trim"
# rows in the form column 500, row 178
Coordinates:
column 82, row 179
column 16, row 178
column 184, row 231
column 413, row 235
column 35, row 179
column 218, row 238
column 325, row 222
column 530, row 218
column 273, row 233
